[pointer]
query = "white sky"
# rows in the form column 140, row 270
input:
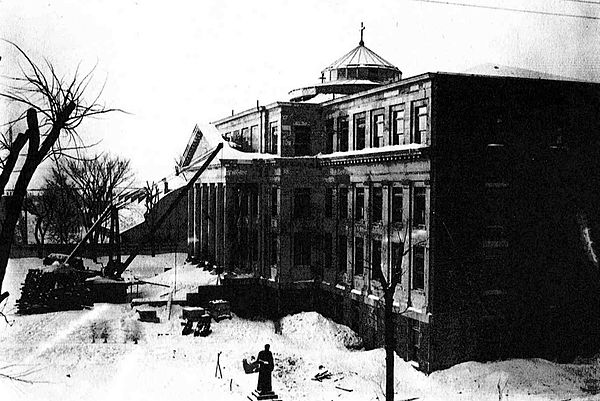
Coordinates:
column 194, row 61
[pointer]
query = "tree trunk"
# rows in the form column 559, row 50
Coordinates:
column 390, row 343
column 7, row 232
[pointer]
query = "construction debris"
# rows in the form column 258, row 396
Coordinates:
column 52, row 289
column 322, row 374
column 148, row 315
column 219, row 309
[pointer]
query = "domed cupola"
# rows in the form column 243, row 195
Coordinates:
column 361, row 63
column 358, row 70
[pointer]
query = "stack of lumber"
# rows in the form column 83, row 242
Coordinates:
column 51, row 290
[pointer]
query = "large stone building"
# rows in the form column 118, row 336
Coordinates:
column 491, row 184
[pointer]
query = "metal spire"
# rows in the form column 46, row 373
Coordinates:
column 362, row 28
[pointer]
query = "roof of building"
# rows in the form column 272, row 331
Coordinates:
column 491, row 69
column 360, row 56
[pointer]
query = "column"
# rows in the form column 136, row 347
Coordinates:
column 219, row 226
column 228, row 224
column 211, row 222
column 197, row 218
column 204, row 222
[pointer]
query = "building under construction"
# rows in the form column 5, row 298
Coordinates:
column 490, row 180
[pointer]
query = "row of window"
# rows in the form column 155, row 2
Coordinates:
column 302, row 256
column 248, row 138
column 397, row 121
column 302, row 203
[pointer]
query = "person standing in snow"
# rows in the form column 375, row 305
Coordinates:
column 265, row 360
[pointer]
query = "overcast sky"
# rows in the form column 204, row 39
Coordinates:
column 194, row 61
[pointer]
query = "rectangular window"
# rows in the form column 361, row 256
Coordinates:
column 301, row 202
column 419, row 207
column 301, row 140
column 236, row 136
column 246, row 140
column 359, row 256
column 418, row 276
column 302, row 249
column 342, row 253
column 273, row 137
column 397, row 127
column 254, row 138
column 377, row 130
column 327, row 250
column 415, row 340
column 359, row 204
column 343, row 203
column 328, row 202
column 274, row 201
column 377, row 204
column 254, row 239
column 274, row 249
column 359, row 131
column 343, row 134
column 420, row 119
column 396, row 204
column 329, row 134
column 377, row 273
column 397, row 250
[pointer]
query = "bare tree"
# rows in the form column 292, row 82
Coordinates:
column 54, row 107
column 56, row 213
column 389, row 285
column 98, row 181
column 151, row 192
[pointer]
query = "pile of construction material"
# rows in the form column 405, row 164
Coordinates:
column 52, row 289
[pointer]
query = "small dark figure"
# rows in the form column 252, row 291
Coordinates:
column 265, row 359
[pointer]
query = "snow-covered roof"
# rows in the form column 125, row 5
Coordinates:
column 500, row 70
column 360, row 56
column 206, row 138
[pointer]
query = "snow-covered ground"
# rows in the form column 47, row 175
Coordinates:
column 105, row 353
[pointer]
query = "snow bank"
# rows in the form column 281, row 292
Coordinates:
column 184, row 278
column 312, row 329
column 516, row 376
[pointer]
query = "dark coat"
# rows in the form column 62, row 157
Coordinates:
column 265, row 358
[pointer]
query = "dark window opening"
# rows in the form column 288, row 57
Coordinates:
column 359, row 131
column 274, row 202
column 302, row 202
column 301, row 140
column 329, row 134
column 273, row 137
column 343, row 203
column 397, row 205
column 397, row 251
column 415, row 340
column 246, row 140
column 342, row 253
column 302, row 249
column 419, row 207
column 418, row 276
column 359, row 210
column 254, row 138
column 328, row 202
column 327, row 250
column 377, row 273
column 254, row 239
column 343, row 134
column 274, row 249
column 377, row 204
column 359, row 256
